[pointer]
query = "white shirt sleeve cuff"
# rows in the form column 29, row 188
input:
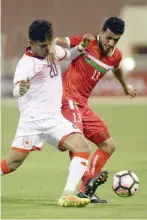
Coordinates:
column 16, row 93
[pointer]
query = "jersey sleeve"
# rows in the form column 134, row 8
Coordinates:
column 67, row 55
column 118, row 60
column 61, row 53
column 73, row 41
column 25, row 69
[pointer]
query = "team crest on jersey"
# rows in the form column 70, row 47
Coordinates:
column 27, row 141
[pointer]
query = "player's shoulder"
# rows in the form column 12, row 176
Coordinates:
column 25, row 61
column 30, row 58
column 28, row 63
column 74, row 40
column 116, row 57
column 77, row 36
column 117, row 53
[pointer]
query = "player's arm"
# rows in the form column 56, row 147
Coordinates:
column 68, row 42
column 76, row 51
column 128, row 89
column 24, row 72
column 21, row 88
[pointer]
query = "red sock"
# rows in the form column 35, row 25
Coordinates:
column 4, row 167
column 85, row 178
column 98, row 161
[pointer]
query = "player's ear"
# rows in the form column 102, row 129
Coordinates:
column 102, row 31
column 31, row 42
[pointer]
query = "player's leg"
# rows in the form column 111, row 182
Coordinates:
column 101, row 156
column 96, row 131
column 67, row 136
column 73, row 113
column 21, row 147
column 77, row 144
column 12, row 162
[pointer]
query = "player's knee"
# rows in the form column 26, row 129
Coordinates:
column 76, row 143
column 108, row 146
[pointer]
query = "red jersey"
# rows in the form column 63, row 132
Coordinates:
column 85, row 72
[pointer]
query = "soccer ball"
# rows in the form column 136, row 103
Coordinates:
column 125, row 183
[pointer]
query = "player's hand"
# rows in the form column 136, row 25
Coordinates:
column 129, row 90
column 87, row 38
column 24, row 86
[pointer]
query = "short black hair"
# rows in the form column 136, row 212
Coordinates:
column 40, row 30
column 115, row 24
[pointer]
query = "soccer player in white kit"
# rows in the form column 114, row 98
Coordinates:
column 38, row 87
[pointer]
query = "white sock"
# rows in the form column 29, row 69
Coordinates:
column 1, row 172
column 76, row 171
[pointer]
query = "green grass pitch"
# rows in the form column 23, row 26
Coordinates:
column 33, row 190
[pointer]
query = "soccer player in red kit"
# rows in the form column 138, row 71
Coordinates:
column 79, row 80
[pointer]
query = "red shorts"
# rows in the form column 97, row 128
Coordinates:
column 93, row 128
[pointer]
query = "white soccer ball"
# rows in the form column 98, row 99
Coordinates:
column 125, row 183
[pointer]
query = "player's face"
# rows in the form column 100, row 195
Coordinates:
column 108, row 40
column 41, row 49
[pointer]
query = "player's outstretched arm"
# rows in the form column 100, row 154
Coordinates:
column 69, row 42
column 128, row 89
column 80, row 48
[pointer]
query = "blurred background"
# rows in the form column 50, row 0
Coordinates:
column 33, row 190
column 75, row 18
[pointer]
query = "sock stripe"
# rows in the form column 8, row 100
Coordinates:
column 94, row 162
column 4, row 167
column 98, row 161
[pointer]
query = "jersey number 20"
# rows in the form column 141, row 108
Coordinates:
column 53, row 70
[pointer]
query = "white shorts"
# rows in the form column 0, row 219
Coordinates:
column 32, row 135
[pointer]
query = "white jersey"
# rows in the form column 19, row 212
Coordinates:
column 43, row 99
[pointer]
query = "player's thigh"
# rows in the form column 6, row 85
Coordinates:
column 76, row 143
column 72, row 113
column 94, row 128
column 57, row 135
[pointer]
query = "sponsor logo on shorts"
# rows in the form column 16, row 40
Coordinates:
column 27, row 142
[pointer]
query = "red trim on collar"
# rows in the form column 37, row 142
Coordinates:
column 28, row 53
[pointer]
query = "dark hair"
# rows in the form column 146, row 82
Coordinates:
column 40, row 30
column 115, row 24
